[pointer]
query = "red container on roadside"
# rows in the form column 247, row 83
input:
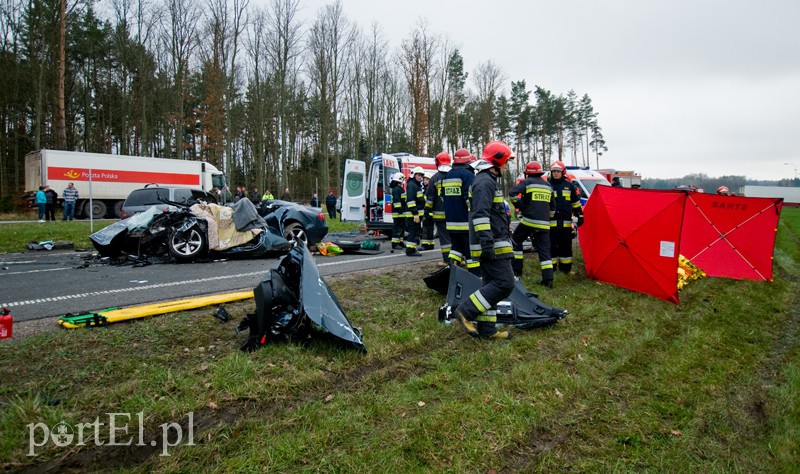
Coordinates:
column 6, row 323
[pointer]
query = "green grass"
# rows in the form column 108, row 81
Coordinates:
column 626, row 383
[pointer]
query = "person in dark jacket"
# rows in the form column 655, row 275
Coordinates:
column 533, row 198
column 415, row 200
column 427, row 242
column 52, row 202
column 491, row 243
column 286, row 196
column 314, row 202
column 330, row 203
column 255, row 197
column 455, row 200
column 568, row 203
column 434, row 205
column 399, row 210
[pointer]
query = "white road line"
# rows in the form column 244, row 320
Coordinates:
column 164, row 285
column 35, row 271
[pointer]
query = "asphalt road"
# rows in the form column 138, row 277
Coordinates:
column 36, row 285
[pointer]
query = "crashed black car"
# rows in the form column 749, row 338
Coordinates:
column 295, row 222
column 186, row 233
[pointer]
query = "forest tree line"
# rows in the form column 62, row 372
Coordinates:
column 274, row 101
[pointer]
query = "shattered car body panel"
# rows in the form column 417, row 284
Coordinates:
column 294, row 221
column 294, row 302
column 522, row 309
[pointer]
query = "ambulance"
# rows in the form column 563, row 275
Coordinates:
column 586, row 180
column 365, row 188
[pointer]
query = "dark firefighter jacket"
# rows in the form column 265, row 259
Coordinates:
column 398, row 201
column 433, row 199
column 537, row 204
column 489, row 222
column 455, row 197
column 415, row 200
column 568, row 202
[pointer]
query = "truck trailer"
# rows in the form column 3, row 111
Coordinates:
column 790, row 195
column 104, row 181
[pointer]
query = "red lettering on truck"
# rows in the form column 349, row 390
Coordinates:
column 114, row 176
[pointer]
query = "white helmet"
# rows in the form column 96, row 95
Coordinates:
column 398, row 177
column 427, row 174
column 417, row 170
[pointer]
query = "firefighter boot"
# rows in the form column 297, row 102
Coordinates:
column 487, row 330
column 469, row 326
column 546, row 283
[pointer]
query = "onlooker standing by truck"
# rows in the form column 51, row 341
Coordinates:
column 52, row 202
column 41, row 202
column 330, row 203
column 70, row 198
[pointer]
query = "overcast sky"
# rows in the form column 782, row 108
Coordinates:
column 702, row 86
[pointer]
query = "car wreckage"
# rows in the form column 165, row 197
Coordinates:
column 522, row 309
column 185, row 233
column 294, row 303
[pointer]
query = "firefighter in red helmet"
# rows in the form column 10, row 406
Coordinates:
column 490, row 242
column 568, row 203
column 434, row 205
column 537, row 204
column 723, row 191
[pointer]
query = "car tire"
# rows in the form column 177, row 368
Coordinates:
column 294, row 232
column 187, row 246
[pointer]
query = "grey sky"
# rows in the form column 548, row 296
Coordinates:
column 681, row 86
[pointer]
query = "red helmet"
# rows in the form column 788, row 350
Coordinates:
column 558, row 166
column 723, row 190
column 534, row 167
column 462, row 156
column 442, row 158
column 497, row 153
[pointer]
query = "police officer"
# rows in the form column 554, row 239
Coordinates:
column 455, row 199
column 568, row 203
column 491, row 243
column 398, row 209
column 537, row 205
column 415, row 200
column 434, row 203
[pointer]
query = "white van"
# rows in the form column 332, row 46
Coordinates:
column 586, row 180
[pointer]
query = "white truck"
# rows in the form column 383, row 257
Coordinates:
column 113, row 177
column 790, row 195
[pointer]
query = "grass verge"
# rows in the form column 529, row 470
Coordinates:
column 625, row 383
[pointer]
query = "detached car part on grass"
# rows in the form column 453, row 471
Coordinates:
column 522, row 309
column 293, row 302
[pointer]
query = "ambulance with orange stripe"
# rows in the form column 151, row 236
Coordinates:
column 108, row 179
column 365, row 188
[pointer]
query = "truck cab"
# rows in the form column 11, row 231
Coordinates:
column 365, row 192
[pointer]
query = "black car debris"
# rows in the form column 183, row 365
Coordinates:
column 187, row 232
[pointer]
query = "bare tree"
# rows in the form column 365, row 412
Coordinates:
column 283, row 51
column 178, row 36
column 488, row 78
column 416, row 60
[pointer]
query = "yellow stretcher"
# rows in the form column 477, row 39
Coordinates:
column 114, row 315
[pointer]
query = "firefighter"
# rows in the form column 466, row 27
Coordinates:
column 490, row 242
column 455, row 199
column 434, row 205
column 536, row 206
column 427, row 241
column 415, row 200
column 723, row 191
column 568, row 203
column 398, row 210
